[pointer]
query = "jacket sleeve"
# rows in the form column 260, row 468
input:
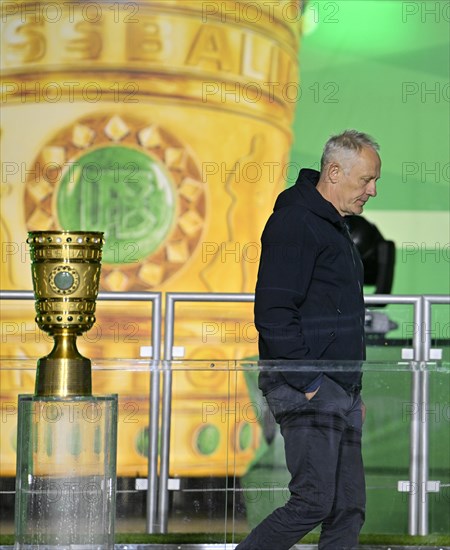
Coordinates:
column 288, row 255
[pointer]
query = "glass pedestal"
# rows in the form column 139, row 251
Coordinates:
column 66, row 472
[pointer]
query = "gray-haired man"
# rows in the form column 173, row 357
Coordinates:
column 309, row 306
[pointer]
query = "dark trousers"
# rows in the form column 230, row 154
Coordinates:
column 322, row 439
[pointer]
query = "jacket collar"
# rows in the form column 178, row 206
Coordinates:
column 311, row 199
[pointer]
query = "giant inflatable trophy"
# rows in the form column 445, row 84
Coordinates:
column 66, row 444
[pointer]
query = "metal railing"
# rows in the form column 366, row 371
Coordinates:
column 157, row 490
column 418, row 463
column 169, row 326
column 155, row 299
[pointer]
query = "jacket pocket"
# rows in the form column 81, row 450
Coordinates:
column 329, row 324
column 318, row 344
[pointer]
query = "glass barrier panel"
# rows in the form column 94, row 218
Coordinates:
column 436, row 416
column 227, row 464
column 201, row 464
column 440, row 330
column 120, row 330
column 215, row 330
column 386, row 393
column 389, row 329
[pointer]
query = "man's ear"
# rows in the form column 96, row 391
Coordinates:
column 333, row 172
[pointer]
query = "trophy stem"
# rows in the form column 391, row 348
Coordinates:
column 64, row 372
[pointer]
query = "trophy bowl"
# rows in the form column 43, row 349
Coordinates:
column 66, row 276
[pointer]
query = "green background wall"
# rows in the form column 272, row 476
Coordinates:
column 383, row 67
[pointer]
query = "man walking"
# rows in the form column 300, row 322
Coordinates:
column 309, row 306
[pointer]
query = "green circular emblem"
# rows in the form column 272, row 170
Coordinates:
column 122, row 191
column 131, row 179
column 64, row 280
column 245, row 437
column 141, row 444
column 208, row 439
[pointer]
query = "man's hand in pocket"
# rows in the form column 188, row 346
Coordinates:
column 309, row 395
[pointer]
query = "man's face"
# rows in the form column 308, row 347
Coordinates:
column 357, row 183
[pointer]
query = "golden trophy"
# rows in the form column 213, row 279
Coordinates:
column 66, row 278
column 66, row 442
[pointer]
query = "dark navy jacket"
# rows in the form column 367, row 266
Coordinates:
column 309, row 301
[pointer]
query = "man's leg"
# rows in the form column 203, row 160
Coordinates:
column 340, row 530
column 312, row 434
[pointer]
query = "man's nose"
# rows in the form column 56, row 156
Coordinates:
column 372, row 189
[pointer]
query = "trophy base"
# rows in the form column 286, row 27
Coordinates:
column 66, row 472
column 63, row 378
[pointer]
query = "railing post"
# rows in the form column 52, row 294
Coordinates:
column 163, row 497
column 153, row 421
